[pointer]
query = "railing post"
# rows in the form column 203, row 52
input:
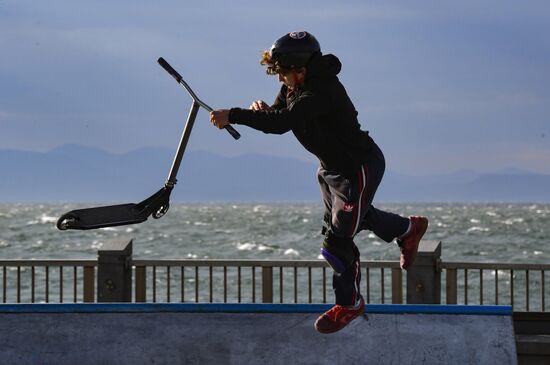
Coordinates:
column 424, row 277
column 89, row 284
column 451, row 286
column 114, row 272
column 396, row 286
column 267, row 284
column 141, row 283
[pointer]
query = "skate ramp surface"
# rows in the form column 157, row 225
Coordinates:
column 252, row 334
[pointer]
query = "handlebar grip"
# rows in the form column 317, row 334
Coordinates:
column 165, row 65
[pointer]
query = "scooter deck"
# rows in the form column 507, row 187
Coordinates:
column 117, row 215
column 100, row 217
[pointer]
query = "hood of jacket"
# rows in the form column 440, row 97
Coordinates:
column 323, row 66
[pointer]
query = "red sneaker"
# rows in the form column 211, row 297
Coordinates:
column 409, row 243
column 338, row 317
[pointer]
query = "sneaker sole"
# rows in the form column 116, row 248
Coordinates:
column 332, row 330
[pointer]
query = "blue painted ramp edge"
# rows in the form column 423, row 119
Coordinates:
column 247, row 308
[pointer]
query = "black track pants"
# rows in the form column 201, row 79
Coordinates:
column 348, row 210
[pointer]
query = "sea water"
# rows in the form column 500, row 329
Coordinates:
column 504, row 233
column 516, row 233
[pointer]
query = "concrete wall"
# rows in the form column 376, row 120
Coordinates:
column 187, row 334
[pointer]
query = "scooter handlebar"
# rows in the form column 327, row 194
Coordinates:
column 180, row 80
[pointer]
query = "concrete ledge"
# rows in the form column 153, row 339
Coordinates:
column 250, row 334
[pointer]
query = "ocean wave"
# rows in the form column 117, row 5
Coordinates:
column 265, row 248
column 46, row 219
column 201, row 224
column 247, row 246
column 478, row 229
column 512, row 221
column 291, row 252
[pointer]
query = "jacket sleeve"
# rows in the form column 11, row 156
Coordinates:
column 307, row 107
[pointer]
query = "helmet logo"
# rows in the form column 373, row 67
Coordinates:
column 297, row 35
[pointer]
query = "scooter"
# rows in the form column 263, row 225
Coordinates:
column 157, row 204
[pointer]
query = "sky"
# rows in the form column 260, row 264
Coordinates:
column 442, row 86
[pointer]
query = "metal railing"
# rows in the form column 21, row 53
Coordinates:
column 430, row 280
column 33, row 281
column 302, row 281
column 519, row 285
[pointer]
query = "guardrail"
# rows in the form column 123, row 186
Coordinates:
column 268, row 281
column 519, row 285
column 115, row 275
column 35, row 276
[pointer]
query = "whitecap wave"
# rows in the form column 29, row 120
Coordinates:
column 291, row 252
column 478, row 229
column 46, row 219
column 247, row 246
column 261, row 208
column 512, row 221
column 201, row 224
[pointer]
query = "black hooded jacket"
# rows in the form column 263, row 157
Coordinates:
column 321, row 116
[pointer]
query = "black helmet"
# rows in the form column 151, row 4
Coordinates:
column 294, row 49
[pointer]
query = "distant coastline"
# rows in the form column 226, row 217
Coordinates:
column 75, row 173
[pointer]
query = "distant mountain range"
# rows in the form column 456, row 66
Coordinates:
column 74, row 173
